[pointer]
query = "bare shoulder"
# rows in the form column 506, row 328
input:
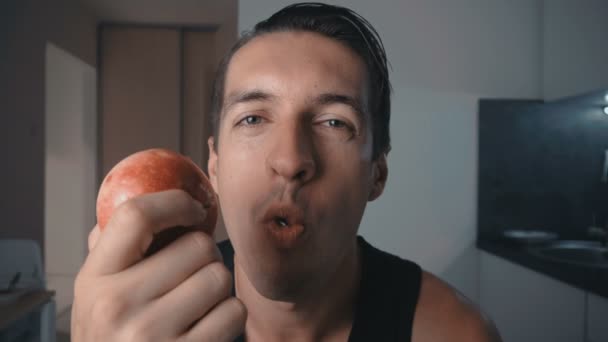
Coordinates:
column 444, row 314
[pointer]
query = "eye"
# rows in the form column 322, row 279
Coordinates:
column 336, row 123
column 251, row 120
column 343, row 130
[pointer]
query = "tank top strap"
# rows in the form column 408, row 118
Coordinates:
column 387, row 299
column 388, row 295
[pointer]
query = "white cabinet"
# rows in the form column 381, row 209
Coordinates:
column 597, row 318
column 530, row 307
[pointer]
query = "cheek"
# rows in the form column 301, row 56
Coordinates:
column 345, row 184
column 349, row 162
column 240, row 177
column 357, row 184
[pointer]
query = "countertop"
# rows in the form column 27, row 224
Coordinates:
column 591, row 279
column 31, row 301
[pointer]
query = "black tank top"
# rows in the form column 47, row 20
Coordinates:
column 387, row 297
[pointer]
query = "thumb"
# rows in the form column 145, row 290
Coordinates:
column 93, row 237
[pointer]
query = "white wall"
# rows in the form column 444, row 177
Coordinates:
column 444, row 56
column 473, row 46
column 70, row 167
column 528, row 306
column 428, row 211
column 25, row 28
column 575, row 51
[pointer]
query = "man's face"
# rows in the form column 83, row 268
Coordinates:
column 292, row 166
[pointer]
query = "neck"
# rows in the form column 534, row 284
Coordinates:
column 325, row 312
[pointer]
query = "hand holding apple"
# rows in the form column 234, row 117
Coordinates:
column 180, row 293
column 151, row 171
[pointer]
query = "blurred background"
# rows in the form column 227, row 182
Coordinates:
column 498, row 130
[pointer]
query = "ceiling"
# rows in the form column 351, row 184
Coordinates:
column 183, row 12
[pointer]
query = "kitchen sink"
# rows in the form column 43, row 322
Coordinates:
column 585, row 253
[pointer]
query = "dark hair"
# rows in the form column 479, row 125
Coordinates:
column 343, row 25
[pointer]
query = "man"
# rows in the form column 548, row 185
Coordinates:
column 301, row 113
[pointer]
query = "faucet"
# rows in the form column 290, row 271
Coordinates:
column 600, row 233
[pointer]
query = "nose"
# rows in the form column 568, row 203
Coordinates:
column 292, row 156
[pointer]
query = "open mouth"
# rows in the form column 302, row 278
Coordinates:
column 284, row 224
column 281, row 221
column 284, row 216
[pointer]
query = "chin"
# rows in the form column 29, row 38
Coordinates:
column 281, row 287
column 278, row 275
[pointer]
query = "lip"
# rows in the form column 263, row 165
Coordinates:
column 290, row 232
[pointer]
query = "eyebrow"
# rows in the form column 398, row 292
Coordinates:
column 332, row 98
column 248, row 96
column 321, row 100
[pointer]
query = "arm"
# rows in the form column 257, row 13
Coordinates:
column 444, row 314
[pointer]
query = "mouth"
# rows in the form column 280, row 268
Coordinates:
column 285, row 225
column 282, row 221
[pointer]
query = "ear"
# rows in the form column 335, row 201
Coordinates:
column 379, row 176
column 212, row 163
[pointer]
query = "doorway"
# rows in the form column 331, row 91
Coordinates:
column 155, row 87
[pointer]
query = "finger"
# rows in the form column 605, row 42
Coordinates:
column 93, row 236
column 192, row 299
column 132, row 226
column 224, row 323
column 178, row 261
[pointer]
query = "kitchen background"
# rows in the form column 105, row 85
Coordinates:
column 57, row 136
column 543, row 165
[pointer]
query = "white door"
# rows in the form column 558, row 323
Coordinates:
column 70, row 168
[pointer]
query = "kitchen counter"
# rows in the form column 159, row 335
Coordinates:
column 25, row 304
column 594, row 280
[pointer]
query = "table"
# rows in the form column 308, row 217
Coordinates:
column 25, row 304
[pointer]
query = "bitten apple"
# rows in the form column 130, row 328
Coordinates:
column 156, row 170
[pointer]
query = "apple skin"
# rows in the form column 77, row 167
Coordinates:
column 156, row 170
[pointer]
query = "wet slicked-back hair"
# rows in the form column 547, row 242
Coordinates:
column 340, row 24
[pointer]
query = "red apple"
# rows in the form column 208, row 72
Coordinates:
column 152, row 171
